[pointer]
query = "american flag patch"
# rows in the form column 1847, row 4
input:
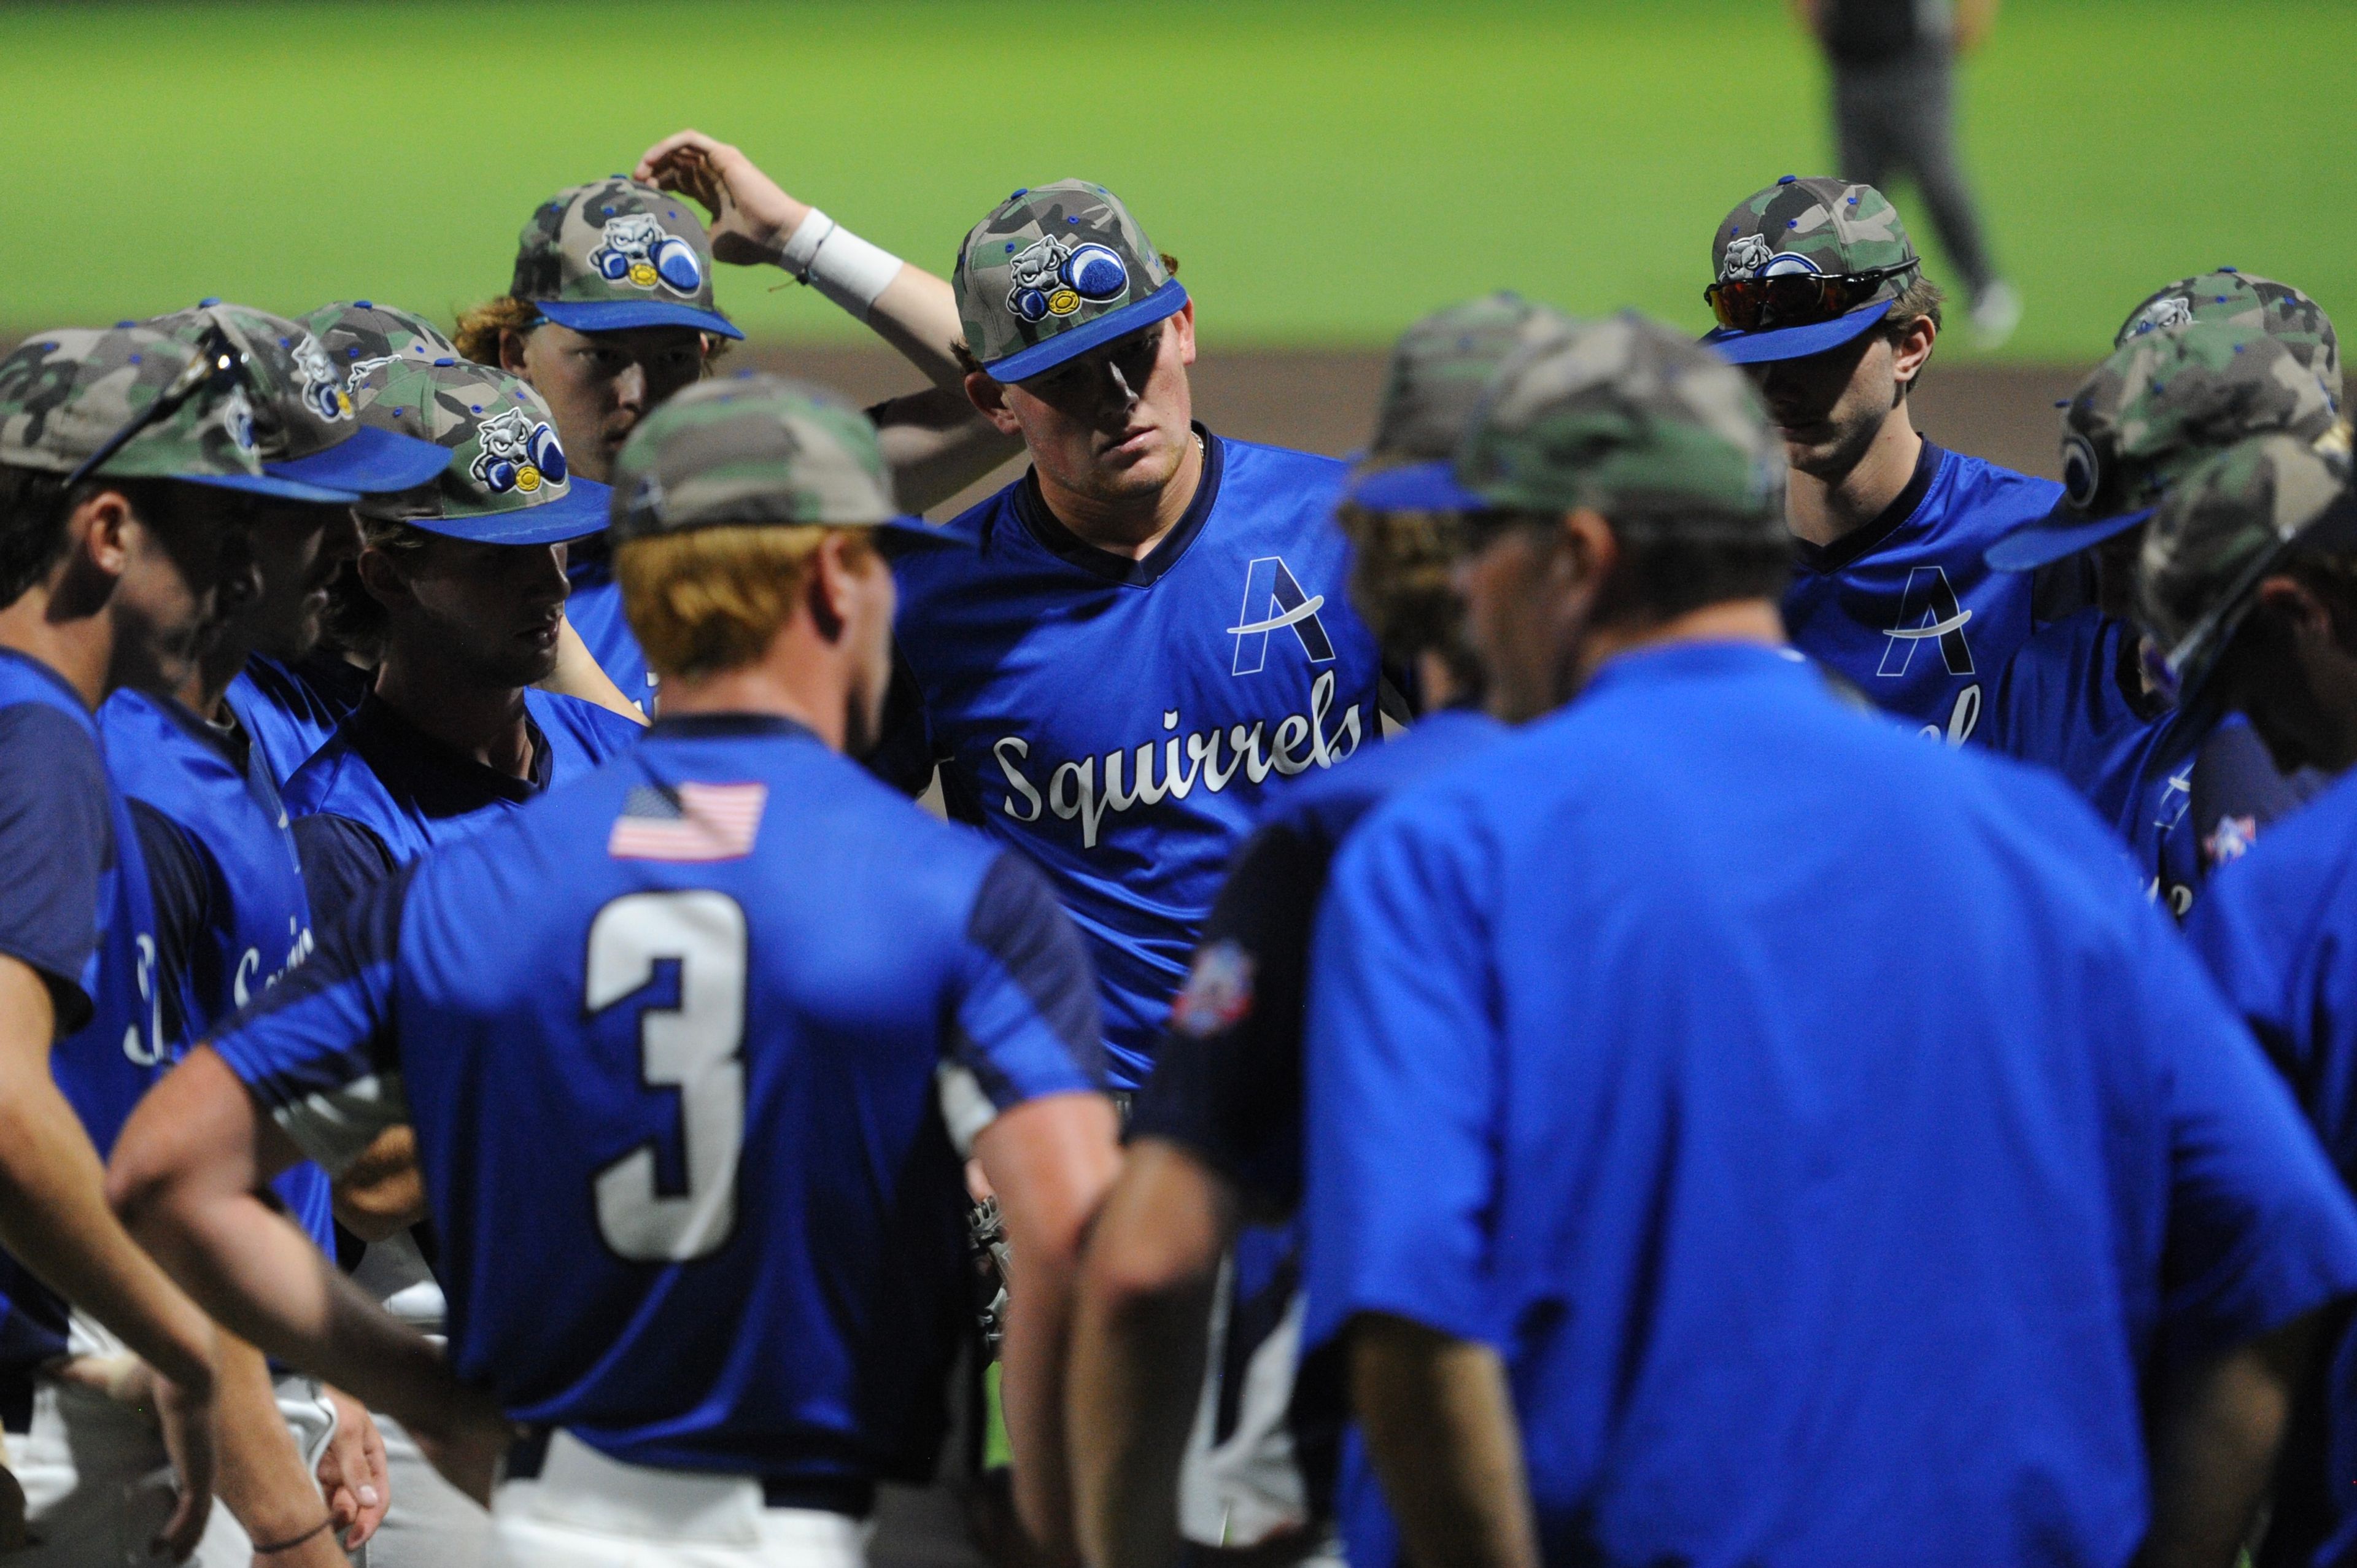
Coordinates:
column 694, row 821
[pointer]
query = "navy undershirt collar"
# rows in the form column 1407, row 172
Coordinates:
column 443, row 780
column 1859, row 542
column 697, row 726
column 1031, row 509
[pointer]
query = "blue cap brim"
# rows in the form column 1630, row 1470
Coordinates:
column 914, row 536
column 2060, row 532
column 1416, row 487
column 622, row 315
column 1046, row 355
column 585, row 508
column 277, row 489
column 1795, row 342
column 369, row 461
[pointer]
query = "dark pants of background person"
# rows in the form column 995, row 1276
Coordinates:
column 1897, row 116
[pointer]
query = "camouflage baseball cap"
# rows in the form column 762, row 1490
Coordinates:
column 758, row 449
column 362, row 335
column 1439, row 368
column 2243, row 299
column 1054, row 271
column 505, row 480
column 65, row 393
column 1623, row 416
column 2152, row 412
column 303, row 420
column 2220, row 530
column 614, row 255
column 1825, row 227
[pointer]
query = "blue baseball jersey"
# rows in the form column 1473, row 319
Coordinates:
column 230, row 914
column 594, row 605
column 382, row 791
column 1126, row 722
column 2072, row 700
column 2277, row 931
column 290, row 711
column 694, row 1044
column 1227, row 1087
column 1906, row 609
column 1724, row 1116
column 74, row 908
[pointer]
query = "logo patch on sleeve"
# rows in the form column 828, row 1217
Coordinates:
column 1218, row 995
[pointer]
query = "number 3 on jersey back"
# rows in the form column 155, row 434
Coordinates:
column 696, row 1047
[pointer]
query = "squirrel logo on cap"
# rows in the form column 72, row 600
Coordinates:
column 641, row 252
column 519, row 452
column 1745, row 257
column 1054, row 276
column 328, row 400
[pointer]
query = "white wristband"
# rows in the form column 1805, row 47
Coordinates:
column 838, row 262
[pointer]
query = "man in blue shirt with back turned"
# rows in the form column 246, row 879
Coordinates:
column 1151, row 639
column 695, row 1044
column 1701, row 1177
column 1821, row 297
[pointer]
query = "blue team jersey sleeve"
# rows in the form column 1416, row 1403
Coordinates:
column 1402, row 1088
column 2260, row 1229
column 341, row 859
column 53, row 838
column 1025, row 1023
column 316, row 1050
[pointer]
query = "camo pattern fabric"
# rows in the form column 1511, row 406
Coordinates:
column 2241, row 299
column 1813, row 225
column 362, row 335
column 751, row 449
column 1048, row 259
column 1440, row 369
column 300, row 406
column 63, row 393
column 504, row 455
column 2157, row 407
column 1634, row 420
column 2216, row 533
column 615, row 240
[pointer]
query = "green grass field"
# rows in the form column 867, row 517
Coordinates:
column 1326, row 169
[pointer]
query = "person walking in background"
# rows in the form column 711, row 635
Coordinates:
column 1893, row 64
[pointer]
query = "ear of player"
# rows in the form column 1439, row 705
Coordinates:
column 755, row 450
column 1621, row 416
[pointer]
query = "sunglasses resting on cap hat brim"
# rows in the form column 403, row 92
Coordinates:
column 370, row 462
column 1050, row 352
column 2060, row 533
column 583, row 508
column 1776, row 343
column 623, row 315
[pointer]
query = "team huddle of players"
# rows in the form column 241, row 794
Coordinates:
column 1476, row 1025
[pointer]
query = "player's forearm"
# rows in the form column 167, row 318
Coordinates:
column 917, row 314
column 1439, row 1424
column 54, row 1219
column 1031, row 1369
column 937, row 444
column 2216, row 1432
column 261, row 1476
column 1146, row 1290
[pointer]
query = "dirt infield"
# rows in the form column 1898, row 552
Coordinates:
column 1324, row 400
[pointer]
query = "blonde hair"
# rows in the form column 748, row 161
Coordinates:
column 476, row 334
column 1400, row 582
column 707, row 599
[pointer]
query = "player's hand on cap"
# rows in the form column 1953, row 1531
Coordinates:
column 752, row 218
column 354, row 1474
column 466, row 1441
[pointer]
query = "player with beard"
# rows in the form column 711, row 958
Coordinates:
column 467, row 578
column 1821, row 297
column 231, row 914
